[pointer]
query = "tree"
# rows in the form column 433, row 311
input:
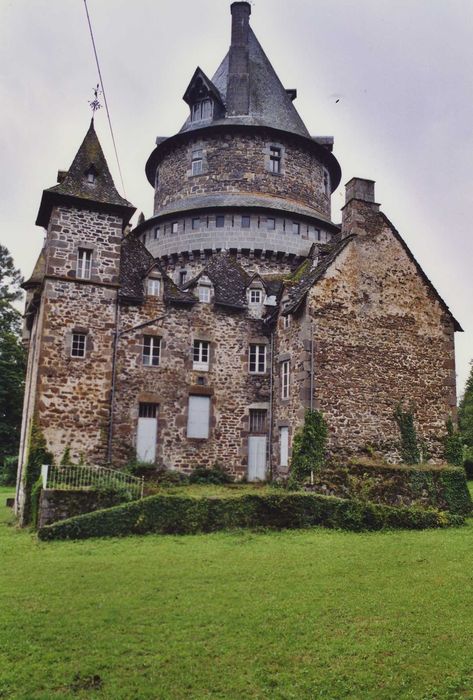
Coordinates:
column 465, row 411
column 12, row 357
column 308, row 450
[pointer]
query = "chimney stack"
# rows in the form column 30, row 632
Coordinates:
column 359, row 188
column 238, row 88
column 359, row 206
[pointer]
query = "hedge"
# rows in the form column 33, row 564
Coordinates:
column 183, row 515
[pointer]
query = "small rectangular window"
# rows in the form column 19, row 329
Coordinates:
column 257, row 359
column 285, row 379
column 148, row 410
column 78, row 345
column 204, row 294
column 196, row 223
column 296, row 227
column 275, row 159
column 219, row 221
column 245, row 222
column 286, row 321
column 258, row 420
column 197, row 162
column 174, row 227
column 156, row 179
column 84, row 263
column 326, row 183
column 256, row 296
column 271, row 224
column 200, row 355
column 182, row 277
column 154, row 287
column 157, row 231
column 198, row 417
column 151, row 350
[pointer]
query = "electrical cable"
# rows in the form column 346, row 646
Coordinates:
column 104, row 95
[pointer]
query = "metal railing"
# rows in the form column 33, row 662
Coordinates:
column 86, row 478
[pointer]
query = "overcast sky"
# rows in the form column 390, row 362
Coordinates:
column 401, row 71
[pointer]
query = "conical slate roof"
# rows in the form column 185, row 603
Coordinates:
column 75, row 184
column 269, row 103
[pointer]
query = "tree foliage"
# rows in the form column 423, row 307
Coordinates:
column 12, row 357
column 465, row 412
column 453, row 445
column 308, row 450
column 410, row 453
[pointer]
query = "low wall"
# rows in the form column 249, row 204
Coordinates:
column 55, row 504
column 442, row 487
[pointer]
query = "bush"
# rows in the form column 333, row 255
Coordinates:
column 453, row 445
column 216, row 475
column 308, row 450
column 410, row 453
column 171, row 477
column 180, row 515
column 38, row 454
column 8, row 471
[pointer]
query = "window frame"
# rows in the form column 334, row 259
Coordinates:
column 202, row 110
column 78, row 343
column 244, row 219
column 191, row 424
column 201, row 288
column 254, row 291
column 151, row 351
column 197, row 161
column 153, row 282
column 275, row 160
column 271, row 227
column 175, row 227
column 285, row 379
column 255, row 361
column 220, row 217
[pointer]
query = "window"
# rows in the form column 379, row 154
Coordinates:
column 148, row 410
column 197, row 162
column 286, row 321
column 91, row 177
column 285, row 379
column 151, row 350
column 174, row 227
column 220, row 221
column 78, row 345
column 296, row 227
column 256, row 296
column 84, row 263
column 257, row 364
column 245, row 222
column 275, row 159
column 154, row 287
column 326, row 183
column 198, row 417
column 283, row 447
column 202, row 110
column 204, row 293
column 196, row 222
column 182, row 277
column 258, row 420
column 271, row 224
column 200, row 355
column 157, row 231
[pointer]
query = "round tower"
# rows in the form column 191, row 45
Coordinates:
column 243, row 173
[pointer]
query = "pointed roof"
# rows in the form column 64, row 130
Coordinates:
column 74, row 184
column 269, row 102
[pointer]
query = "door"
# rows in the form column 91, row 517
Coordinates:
column 257, row 443
column 147, row 433
column 283, row 447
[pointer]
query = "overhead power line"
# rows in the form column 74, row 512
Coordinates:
column 104, row 95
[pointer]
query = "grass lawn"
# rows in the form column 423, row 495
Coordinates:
column 236, row 616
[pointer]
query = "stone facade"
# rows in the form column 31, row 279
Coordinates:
column 219, row 365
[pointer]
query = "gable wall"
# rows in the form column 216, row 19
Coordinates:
column 381, row 336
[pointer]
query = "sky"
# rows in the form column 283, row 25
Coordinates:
column 391, row 80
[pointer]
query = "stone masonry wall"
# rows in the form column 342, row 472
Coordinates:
column 228, row 382
column 237, row 162
column 381, row 337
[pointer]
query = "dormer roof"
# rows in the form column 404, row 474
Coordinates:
column 76, row 186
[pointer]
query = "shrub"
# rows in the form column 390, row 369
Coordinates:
column 8, row 471
column 38, row 454
column 410, row 453
column 453, row 445
column 171, row 477
column 216, row 475
column 179, row 515
column 308, row 450
column 468, row 462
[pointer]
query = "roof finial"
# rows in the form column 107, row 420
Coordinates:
column 95, row 103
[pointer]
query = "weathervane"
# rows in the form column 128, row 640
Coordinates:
column 95, row 103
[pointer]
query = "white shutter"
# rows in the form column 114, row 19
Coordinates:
column 198, row 417
column 283, row 446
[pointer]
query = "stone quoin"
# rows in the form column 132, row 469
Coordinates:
column 203, row 335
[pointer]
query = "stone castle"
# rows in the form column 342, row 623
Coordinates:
column 203, row 335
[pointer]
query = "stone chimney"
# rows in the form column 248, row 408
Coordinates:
column 238, row 88
column 359, row 205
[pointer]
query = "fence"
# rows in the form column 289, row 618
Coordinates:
column 85, row 478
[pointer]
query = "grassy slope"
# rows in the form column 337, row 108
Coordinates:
column 307, row 614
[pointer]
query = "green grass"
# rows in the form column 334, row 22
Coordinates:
column 210, row 490
column 236, row 616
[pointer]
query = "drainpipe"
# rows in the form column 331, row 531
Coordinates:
column 117, row 335
column 311, row 402
column 270, row 427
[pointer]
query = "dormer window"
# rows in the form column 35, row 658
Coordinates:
column 153, row 286
column 203, row 109
column 91, row 174
column 256, row 296
column 204, row 290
